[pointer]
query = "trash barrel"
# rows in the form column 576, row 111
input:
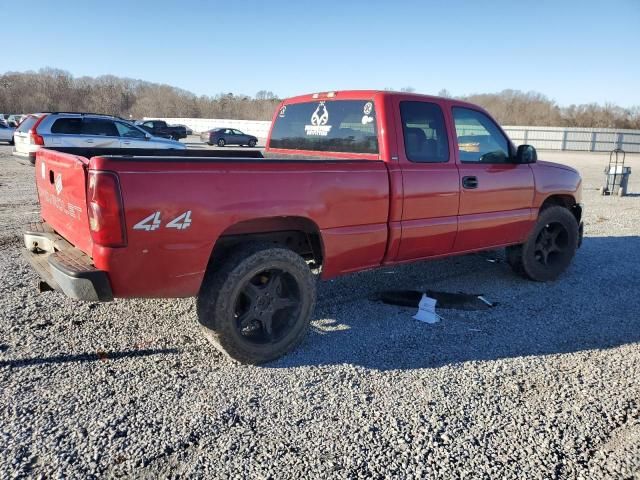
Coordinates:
column 617, row 177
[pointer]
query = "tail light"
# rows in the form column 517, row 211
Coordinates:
column 33, row 133
column 105, row 210
column 36, row 139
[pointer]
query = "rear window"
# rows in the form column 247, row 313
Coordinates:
column 327, row 126
column 27, row 124
column 67, row 126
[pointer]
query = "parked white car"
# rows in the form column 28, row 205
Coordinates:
column 6, row 133
column 86, row 130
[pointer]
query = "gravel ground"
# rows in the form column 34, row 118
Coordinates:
column 545, row 385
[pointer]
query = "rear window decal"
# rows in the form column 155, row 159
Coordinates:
column 319, row 120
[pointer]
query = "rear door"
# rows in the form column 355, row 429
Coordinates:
column 497, row 194
column 429, row 178
column 99, row 133
column 229, row 137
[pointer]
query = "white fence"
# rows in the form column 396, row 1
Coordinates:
column 583, row 139
column 543, row 138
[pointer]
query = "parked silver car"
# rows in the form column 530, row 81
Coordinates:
column 6, row 133
column 61, row 129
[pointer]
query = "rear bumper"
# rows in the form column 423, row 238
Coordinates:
column 28, row 158
column 63, row 267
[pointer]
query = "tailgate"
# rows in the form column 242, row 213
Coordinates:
column 61, row 182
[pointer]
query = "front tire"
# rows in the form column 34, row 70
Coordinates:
column 252, row 143
column 550, row 247
column 257, row 305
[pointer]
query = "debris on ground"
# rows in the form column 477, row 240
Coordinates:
column 427, row 310
column 445, row 300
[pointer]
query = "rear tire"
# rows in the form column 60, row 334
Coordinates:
column 550, row 247
column 221, row 142
column 12, row 141
column 257, row 305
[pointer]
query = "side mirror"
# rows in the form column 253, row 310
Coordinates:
column 147, row 136
column 526, row 154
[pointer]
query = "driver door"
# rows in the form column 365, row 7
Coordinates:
column 496, row 194
column 130, row 136
column 241, row 138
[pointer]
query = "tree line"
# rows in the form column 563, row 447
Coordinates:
column 51, row 90
column 57, row 90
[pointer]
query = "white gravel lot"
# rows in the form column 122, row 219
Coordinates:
column 545, row 385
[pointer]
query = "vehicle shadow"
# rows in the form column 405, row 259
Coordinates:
column 86, row 357
column 594, row 305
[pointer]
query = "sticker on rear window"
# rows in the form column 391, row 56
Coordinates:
column 319, row 119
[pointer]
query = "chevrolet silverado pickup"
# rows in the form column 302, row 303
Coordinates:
column 349, row 181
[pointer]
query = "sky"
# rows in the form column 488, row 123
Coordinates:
column 571, row 51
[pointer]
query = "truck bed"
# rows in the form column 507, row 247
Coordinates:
column 225, row 192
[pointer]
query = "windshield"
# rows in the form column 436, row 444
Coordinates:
column 327, row 126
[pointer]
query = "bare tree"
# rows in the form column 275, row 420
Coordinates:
column 52, row 89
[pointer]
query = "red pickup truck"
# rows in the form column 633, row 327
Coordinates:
column 349, row 181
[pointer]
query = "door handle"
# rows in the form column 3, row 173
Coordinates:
column 89, row 141
column 470, row 182
column 127, row 143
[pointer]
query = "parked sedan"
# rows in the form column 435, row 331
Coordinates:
column 6, row 133
column 228, row 136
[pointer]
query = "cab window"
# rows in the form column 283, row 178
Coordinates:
column 425, row 135
column 479, row 138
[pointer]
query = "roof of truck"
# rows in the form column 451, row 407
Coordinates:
column 367, row 94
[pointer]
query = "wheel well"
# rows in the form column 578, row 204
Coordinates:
column 298, row 234
column 566, row 201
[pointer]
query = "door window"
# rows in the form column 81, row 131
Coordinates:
column 425, row 135
column 479, row 138
column 129, row 131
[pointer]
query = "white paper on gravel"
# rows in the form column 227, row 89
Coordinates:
column 427, row 310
